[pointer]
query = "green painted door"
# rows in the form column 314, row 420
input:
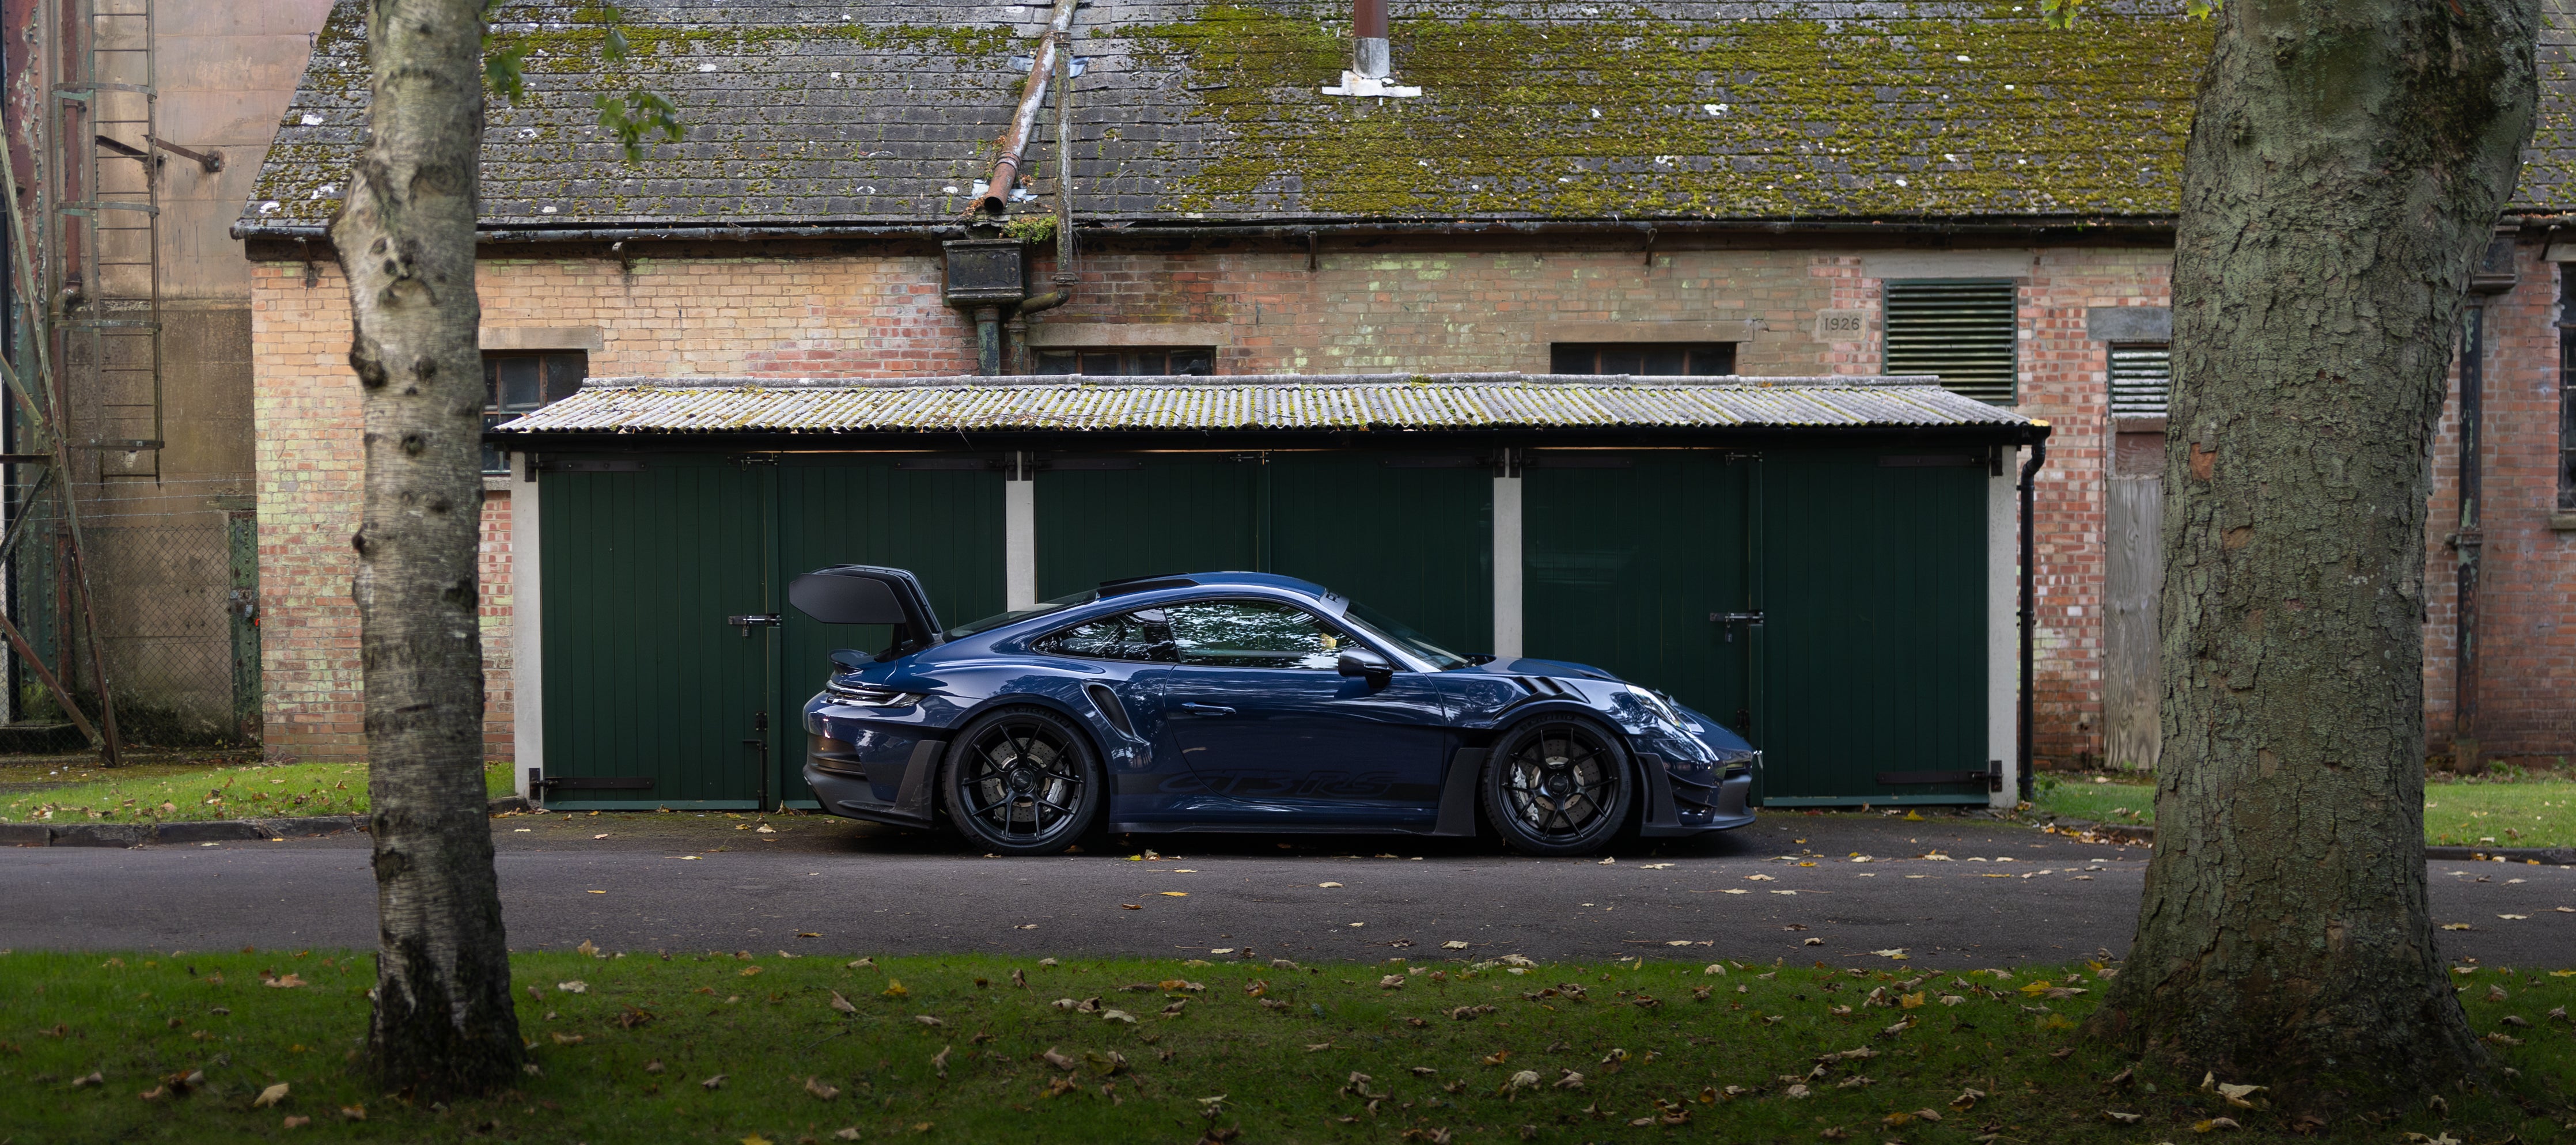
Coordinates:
column 1875, row 630
column 651, row 698
column 1109, row 518
column 1412, row 536
column 940, row 517
column 1625, row 557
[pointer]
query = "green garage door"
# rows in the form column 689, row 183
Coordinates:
column 1876, row 632
column 940, row 517
column 651, row 698
column 1410, row 534
column 1627, row 556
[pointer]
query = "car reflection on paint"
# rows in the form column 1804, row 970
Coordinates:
column 1236, row 701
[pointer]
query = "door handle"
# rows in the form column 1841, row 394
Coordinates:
column 1207, row 709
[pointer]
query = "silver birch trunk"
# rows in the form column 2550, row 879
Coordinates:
column 2347, row 164
column 443, row 1023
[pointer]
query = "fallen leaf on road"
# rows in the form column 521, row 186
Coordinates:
column 1453, row 945
column 1761, row 878
column 1328, row 885
column 1174, row 894
column 1897, row 953
column 600, row 836
column 270, row 1096
column 1129, row 906
column 2455, row 926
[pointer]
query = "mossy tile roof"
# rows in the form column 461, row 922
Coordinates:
column 886, row 111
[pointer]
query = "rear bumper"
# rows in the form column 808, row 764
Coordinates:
column 898, row 790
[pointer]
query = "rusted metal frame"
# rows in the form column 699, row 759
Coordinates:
column 109, row 742
column 61, row 696
column 1006, row 167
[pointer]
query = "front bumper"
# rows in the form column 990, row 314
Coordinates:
column 1693, row 799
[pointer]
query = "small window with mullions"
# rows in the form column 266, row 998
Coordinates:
column 1644, row 359
column 522, row 382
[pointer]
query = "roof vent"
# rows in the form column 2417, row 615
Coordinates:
column 1370, row 66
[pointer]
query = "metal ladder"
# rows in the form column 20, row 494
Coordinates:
column 111, row 305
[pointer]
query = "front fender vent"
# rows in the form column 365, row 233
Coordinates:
column 1110, row 709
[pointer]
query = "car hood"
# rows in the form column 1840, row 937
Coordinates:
column 1531, row 666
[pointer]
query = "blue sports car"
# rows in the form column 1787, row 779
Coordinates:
column 1238, row 701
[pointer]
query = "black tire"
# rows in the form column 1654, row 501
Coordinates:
column 1557, row 786
column 1021, row 781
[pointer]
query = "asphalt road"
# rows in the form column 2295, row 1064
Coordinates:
column 2002, row 894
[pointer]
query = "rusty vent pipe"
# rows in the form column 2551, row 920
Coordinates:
column 1006, row 168
column 1368, row 39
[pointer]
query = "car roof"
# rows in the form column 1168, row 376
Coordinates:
column 1215, row 580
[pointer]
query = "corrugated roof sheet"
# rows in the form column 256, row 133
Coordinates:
column 1284, row 402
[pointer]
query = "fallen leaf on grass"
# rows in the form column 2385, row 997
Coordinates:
column 748, row 971
column 848, row 1133
column 653, row 1066
column 575, row 986
column 2124, row 1118
column 287, row 982
column 822, row 1090
column 927, row 1020
column 1118, row 1016
column 842, row 1004
column 894, row 989
column 2236, row 1094
column 95, row 1078
column 2215, row 1124
column 563, row 1039
column 713, row 1083
column 270, row 1096
column 294, row 1121
column 353, row 1112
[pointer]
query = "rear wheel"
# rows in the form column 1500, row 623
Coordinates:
column 1021, row 781
column 1557, row 786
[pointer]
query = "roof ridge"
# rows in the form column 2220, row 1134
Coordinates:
column 1248, row 381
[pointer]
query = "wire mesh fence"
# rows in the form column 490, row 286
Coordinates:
column 172, row 571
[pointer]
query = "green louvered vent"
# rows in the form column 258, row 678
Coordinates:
column 1959, row 328
column 2141, row 379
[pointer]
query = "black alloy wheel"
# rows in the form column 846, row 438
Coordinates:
column 1021, row 781
column 1557, row 787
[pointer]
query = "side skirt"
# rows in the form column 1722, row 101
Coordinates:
column 1458, row 794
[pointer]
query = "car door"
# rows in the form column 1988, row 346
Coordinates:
column 1132, row 653
column 1258, row 707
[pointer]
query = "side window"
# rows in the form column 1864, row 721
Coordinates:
column 518, row 382
column 1254, row 634
column 1127, row 363
column 1127, row 636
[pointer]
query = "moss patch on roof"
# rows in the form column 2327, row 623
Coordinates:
column 1989, row 114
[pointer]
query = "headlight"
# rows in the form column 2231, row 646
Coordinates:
column 866, row 696
column 1656, row 704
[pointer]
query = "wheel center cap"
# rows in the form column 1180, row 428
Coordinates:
column 1021, row 780
column 1558, row 783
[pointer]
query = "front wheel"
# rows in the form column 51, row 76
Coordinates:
column 1557, row 787
column 1021, row 781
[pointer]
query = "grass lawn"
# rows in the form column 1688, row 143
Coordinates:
column 2468, row 813
column 734, row 1048
column 169, row 794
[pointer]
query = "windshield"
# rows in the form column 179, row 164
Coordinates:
column 1042, row 608
column 1397, row 633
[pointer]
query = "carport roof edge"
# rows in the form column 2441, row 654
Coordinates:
column 1062, row 403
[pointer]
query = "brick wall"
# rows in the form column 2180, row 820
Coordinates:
column 881, row 316
column 2527, row 610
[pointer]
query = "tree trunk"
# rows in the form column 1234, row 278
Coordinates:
column 443, row 1021
column 2346, row 166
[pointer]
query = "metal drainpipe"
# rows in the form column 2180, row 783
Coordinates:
column 1006, row 169
column 988, row 340
column 2029, row 596
column 1065, row 276
column 2471, row 541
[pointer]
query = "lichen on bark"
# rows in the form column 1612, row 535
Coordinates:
column 2347, row 165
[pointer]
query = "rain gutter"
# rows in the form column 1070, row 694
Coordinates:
column 1283, row 232
column 1006, row 169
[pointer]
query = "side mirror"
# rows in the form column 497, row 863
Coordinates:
column 1368, row 665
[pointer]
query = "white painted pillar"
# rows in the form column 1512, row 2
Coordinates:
column 1507, row 559
column 527, row 628
column 1019, row 534
column 2003, row 628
